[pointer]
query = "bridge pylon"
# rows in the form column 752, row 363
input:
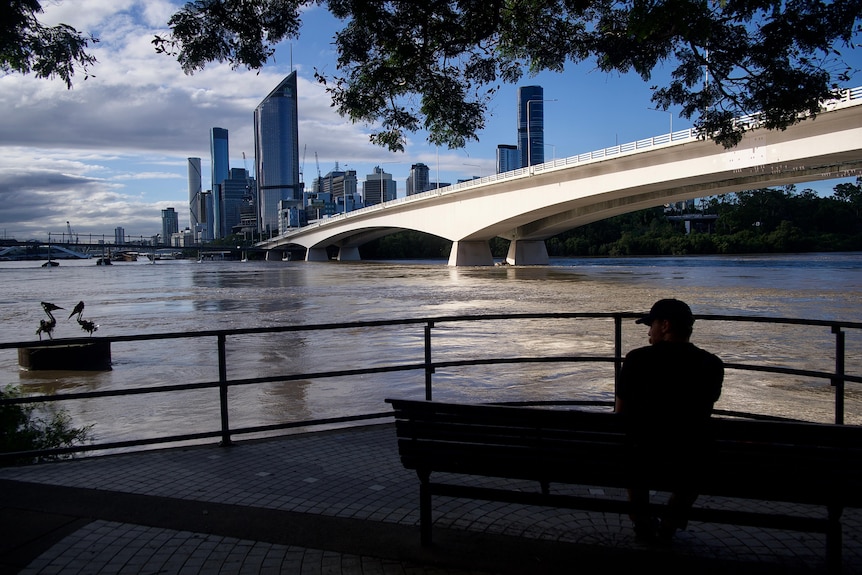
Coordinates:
column 527, row 253
column 471, row 253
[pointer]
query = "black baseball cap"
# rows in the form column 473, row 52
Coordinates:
column 673, row 310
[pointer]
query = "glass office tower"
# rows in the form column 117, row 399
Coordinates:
column 530, row 101
column 276, row 145
column 220, row 169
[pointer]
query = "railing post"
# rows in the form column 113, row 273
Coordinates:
column 429, row 369
column 838, row 380
column 618, row 350
column 222, row 389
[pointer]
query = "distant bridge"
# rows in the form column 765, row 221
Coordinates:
column 530, row 205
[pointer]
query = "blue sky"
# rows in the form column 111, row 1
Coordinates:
column 112, row 151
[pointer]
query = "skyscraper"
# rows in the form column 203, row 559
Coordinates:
column 530, row 102
column 236, row 192
column 195, row 193
column 508, row 158
column 220, row 168
column 418, row 181
column 276, row 146
column 170, row 225
column 376, row 183
column 340, row 185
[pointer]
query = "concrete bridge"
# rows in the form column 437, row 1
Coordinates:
column 530, row 205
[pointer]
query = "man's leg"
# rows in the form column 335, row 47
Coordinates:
column 676, row 516
column 644, row 524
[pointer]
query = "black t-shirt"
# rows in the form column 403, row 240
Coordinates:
column 668, row 390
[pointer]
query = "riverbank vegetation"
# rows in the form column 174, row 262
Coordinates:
column 768, row 220
column 24, row 428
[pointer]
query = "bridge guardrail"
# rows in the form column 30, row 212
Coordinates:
column 837, row 378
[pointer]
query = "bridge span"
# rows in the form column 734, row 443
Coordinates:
column 529, row 205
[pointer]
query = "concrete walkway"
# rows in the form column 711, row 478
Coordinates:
column 335, row 502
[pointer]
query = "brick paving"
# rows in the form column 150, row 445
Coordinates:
column 337, row 502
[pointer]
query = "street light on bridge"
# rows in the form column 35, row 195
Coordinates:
column 671, row 119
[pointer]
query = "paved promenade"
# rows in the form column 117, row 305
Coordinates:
column 335, row 502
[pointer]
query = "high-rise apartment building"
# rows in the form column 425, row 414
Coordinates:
column 220, row 155
column 237, row 196
column 276, row 145
column 508, row 158
column 340, row 186
column 376, row 183
column 119, row 235
column 418, row 181
column 195, row 194
column 170, row 225
column 531, row 125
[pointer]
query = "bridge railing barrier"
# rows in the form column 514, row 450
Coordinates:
column 420, row 370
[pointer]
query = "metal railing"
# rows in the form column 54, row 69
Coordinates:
column 837, row 378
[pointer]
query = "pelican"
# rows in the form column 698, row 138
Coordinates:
column 88, row 326
column 47, row 326
column 79, row 309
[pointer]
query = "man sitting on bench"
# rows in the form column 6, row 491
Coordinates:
column 666, row 393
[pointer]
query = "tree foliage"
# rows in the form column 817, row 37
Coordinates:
column 768, row 220
column 435, row 65
column 28, row 46
column 22, row 429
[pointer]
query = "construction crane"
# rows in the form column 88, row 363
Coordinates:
column 251, row 195
column 318, row 166
column 302, row 166
column 248, row 195
column 69, row 230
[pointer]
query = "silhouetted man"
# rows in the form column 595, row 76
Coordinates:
column 666, row 393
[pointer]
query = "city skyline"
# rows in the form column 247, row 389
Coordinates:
column 114, row 150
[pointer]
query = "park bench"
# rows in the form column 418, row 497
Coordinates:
column 752, row 462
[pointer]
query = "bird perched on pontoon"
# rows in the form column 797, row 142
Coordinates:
column 47, row 326
column 79, row 309
column 88, row 326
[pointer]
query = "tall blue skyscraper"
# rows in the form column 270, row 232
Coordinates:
column 530, row 102
column 220, row 168
column 276, row 146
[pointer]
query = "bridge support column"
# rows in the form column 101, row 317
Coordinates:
column 316, row 255
column 527, row 253
column 348, row 254
column 273, row 255
column 471, row 254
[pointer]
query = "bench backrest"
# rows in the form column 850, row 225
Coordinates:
column 776, row 460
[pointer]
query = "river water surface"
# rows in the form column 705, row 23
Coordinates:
column 171, row 296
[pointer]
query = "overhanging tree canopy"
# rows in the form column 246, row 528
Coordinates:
column 435, row 65
column 28, row 46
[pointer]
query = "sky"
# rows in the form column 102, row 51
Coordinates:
column 112, row 151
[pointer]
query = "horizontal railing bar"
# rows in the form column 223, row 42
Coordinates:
column 505, row 360
column 392, row 369
column 111, row 392
column 414, row 321
column 792, row 371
